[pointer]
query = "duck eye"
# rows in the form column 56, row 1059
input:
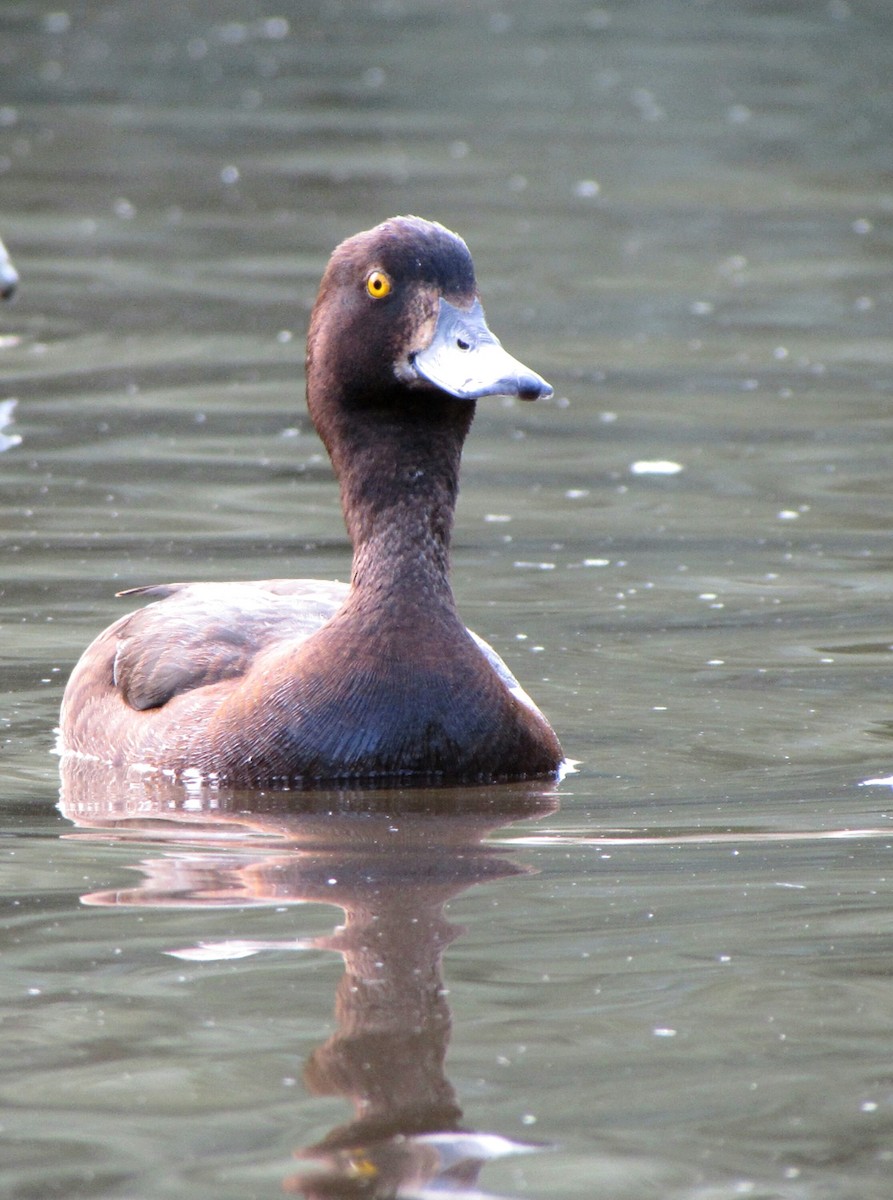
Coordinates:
column 378, row 285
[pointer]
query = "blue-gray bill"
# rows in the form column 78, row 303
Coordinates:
column 465, row 359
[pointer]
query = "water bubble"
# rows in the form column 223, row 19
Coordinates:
column 374, row 77
column 658, row 466
column 275, row 27
column 57, row 22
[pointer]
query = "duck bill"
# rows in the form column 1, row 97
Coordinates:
column 467, row 361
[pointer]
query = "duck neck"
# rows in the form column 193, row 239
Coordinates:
column 399, row 479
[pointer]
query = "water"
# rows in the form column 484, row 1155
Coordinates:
column 669, row 976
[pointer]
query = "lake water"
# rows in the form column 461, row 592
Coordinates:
column 669, row 976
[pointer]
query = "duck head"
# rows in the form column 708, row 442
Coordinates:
column 398, row 319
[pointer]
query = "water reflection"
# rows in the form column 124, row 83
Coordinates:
column 391, row 861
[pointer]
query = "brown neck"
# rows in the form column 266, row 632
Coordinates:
column 399, row 475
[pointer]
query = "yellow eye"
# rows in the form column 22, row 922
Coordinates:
column 378, row 285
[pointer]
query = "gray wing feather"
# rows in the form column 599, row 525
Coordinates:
column 202, row 633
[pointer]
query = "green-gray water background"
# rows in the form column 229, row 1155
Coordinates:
column 674, row 972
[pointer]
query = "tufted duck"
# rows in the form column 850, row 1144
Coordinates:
column 302, row 683
column 9, row 277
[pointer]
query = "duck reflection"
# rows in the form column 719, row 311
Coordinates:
column 391, row 860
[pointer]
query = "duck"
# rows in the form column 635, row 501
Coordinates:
column 311, row 683
column 9, row 277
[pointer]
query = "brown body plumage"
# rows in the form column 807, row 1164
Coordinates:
column 303, row 682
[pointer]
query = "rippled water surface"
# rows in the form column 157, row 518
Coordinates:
column 669, row 975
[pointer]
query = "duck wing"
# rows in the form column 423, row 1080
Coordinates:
column 203, row 633
column 198, row 634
